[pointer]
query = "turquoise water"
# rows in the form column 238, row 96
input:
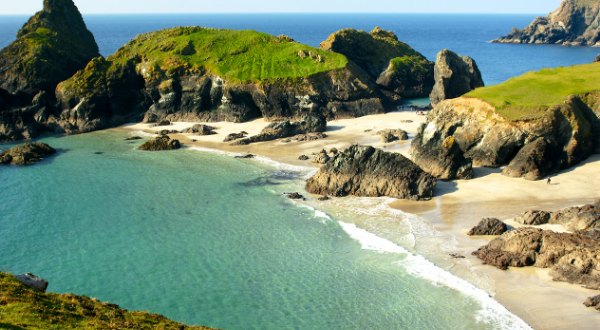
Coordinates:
column 204, row 238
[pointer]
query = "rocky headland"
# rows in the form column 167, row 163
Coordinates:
column 370, row 172
column 535, row 124
column 574, row 23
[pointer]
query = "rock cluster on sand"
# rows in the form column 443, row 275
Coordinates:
column 390, row 135
column 488, row 226
column 200, row 130
column 574, row 23
column 455, row 76
column 572, row 257
column 284, row 129
column 370, row 172
column 162, row 142
column 572, row 218
column 235, row 136
column 26, row 154
column 33, row 282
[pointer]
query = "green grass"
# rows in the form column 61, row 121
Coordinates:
column 241, row 56
column 24, row 308
column 530, row 95
column 411, row 65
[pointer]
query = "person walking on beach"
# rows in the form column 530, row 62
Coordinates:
column 548, row 182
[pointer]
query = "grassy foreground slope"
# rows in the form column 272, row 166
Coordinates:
column 532, row 93
column 234, row 55
column 25, row 308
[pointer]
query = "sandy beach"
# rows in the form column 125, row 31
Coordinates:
column 529, row 292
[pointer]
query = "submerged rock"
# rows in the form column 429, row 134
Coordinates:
column 455, row 75
column 370, row 172
column 26, row 154
column 488, row 226
column 33, row 282
column 162, row 142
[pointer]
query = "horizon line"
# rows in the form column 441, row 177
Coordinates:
column 280, row 13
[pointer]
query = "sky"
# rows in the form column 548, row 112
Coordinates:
column 28, row 7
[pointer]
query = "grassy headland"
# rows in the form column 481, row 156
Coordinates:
column 532, row 93
column 25, row 308
column 234, row 55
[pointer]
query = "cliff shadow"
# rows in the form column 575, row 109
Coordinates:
column 333, row 128
column 480, row 172
column 445, row 187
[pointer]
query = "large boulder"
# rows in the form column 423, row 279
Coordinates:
column 488, row 226
column 455, row 76
column 162, row 142
column 533, row 217
column 397, row 68
column 535, row 160
column 443, row 160
column 200, row 130
column 50, row 48
column 370, row 172
column 572, row 257
column 284, row 129
column 26, row 154
column 574, row 23
column 33, row 282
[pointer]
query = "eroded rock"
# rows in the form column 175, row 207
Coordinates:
column 162, row 142
column 455, row 75
column 488, row 226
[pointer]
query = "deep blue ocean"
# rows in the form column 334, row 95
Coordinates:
column 204, row 238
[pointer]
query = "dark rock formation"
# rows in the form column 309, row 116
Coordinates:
column 50, row 48
column 323, row 198
column 284, row 129
column 570, row 132
column 26, row 154
column 572, row 218
column 168, row 131
column 200, row 130
column 162, row 142
column 593, row 302
column 308, row 137
column 572, row 257
column 574, row 23
column 455, row 75
column 33, row 282
column 294, row 195
column 443, row 160
column 400, row 70
column 366, row 171
column 246, row 156
column 133, row 138
column 488, row 226
column 163, row 122
column 235, row 136
column 303, row 157
column 390, row 135
column 535, row 160
column 333, row 151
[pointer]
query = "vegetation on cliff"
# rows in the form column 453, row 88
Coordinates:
column 235, row 55
column 530, row 95
column 25, row 308
column 53, row 45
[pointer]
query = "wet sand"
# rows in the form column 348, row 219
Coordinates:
column 459, row 205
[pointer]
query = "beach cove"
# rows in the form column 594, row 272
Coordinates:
column 439, row 226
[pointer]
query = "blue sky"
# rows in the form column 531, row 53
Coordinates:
column 11, row 7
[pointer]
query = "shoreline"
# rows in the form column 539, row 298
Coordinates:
column 458, row 206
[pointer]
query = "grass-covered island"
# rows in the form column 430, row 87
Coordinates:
column 25, row 308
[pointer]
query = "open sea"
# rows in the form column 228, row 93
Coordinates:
column 206, row 239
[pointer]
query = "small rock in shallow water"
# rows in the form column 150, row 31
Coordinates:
column 133, row 138
column 324, row 198
column 294, row 195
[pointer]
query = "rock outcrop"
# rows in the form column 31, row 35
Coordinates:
column 200, row 130
column 26, row 154
column 593, row 302
column 284, row 129
column 455, row 75
column 572, row 218
column 574, row 23
column 32, row 281
column 162, row 142
column 390, row 135
column 370, row 172
column 50, row 48
column 443, row 160
column 397, row 68
column 488, row 226
column 558, row 138
column 572, row 257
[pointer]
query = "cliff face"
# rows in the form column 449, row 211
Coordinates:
column 51, row 47
column 563, row 136
column 574, row 23
column 398, row 69
column 188, row 74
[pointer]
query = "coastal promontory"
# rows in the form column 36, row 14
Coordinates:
column 574, row 23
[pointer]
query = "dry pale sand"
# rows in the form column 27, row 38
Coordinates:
column 530, row 293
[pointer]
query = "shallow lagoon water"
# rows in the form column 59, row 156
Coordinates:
column 204, row 238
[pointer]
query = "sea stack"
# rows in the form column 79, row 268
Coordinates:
column 50, row 48
column 455, row 75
